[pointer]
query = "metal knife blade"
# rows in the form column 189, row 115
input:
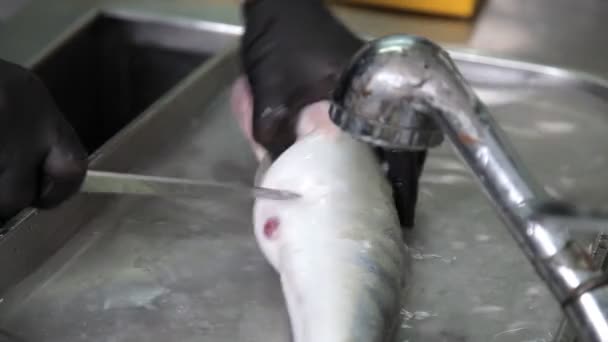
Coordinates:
column 134, row 184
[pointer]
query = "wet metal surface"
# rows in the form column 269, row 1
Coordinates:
column 521, row 29
column 169, row 269
column 9, row 7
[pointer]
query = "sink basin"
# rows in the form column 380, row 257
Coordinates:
column 112, row 69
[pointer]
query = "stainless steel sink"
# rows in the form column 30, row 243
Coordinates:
column 113, row 68
column 110, row 72
column 108, row 268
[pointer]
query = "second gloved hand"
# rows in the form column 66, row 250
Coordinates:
column 293, row 52
column 42, row 162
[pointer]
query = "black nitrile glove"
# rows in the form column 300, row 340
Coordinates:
column 42, row 161
column 293, row 52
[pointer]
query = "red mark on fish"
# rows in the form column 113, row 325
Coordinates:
column 271, row 227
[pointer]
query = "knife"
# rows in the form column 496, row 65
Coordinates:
column 134, row 184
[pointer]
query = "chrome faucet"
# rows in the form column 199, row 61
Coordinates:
column 405, row 92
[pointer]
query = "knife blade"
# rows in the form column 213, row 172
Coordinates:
column 135, row 184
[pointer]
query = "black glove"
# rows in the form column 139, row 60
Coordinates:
column 42, row 161
column 293, row 52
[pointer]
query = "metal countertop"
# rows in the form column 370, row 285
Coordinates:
column 557, row 32
column 560, row 32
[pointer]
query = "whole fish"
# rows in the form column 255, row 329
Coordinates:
column 338, row 249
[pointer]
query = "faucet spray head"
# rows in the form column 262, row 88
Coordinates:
column 390, row 92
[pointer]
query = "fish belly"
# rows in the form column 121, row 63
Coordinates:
column 338, row 249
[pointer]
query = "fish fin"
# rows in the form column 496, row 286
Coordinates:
column 403, row 170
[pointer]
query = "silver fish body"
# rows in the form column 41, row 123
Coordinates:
column 339, row 249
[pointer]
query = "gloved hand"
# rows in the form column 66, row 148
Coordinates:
column 42, row 161
column 293, row 52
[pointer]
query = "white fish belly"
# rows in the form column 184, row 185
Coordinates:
column 338, row 249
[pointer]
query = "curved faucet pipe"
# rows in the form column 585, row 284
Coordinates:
column 404, row 92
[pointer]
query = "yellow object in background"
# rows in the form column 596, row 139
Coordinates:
column 457, row 8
